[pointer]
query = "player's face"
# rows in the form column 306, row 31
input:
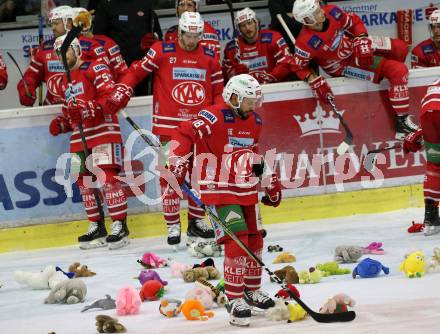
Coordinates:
column 435, row 31
column 249, row 30
column 189, row 41
column 57, row 27
column 248, row 105
column 185, row 6
column 318, row 19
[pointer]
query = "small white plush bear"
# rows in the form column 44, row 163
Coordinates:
column 340, row 300
column 433, row 264
column 71, row 291
column 45, row 279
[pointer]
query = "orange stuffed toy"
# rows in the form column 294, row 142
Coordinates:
column 194, row 310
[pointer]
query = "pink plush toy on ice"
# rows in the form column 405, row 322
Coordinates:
column 373, row 248
column 178, row 268
column 151, row 261
column 128, row 301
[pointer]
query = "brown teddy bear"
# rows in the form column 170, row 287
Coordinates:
column 288, row 274
column 206, row 273
column 107, row 324
column 80, row 270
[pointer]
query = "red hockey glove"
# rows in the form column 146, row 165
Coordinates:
column 59, row 125
column 3, row 75
column 179, row 167
column 240, row 69
column 273, row 192
column 413, row 141
column 119, row 99
column 363, row 52
column 321, row 90
column 201, row 128
column 147, row 41
column 264, row 78
column 25, row 99
column 80, row 111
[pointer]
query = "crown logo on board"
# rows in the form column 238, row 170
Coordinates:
column 319, row 120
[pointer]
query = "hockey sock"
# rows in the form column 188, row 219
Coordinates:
column 397, row 74
column 89, row 200
column 253, row 272
column 234, row 267
column 194, row 212
column 170, row 203
column 114, row 196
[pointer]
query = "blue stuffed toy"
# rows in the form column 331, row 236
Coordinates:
column 368, row 268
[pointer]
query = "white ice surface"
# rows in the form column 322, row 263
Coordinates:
column 386, row 304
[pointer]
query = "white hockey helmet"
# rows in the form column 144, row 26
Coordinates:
column 63, row 13
column 244, row 15
column 75, row 45
column 244, row 86
column 191, row 22
column 434, row 18
column 303, row 9
column 82, row 16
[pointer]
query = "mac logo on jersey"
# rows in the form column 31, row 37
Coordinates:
column 189, row 93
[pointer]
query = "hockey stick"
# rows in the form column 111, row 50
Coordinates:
column 64, row 47
column 26, row 88
column 319, row 317
column 234, row 32
column 40, row 42
column 287, row 30
column 348, row 140
column 370, row 158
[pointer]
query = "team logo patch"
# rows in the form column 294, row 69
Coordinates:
column 314, row 42
column 427, row 49
column 266, row 37
column 53, row 84
column 336, row 13
column 85, row 45
column 208, row 52
column 209, row 116
column 99, row 51
column 55, row 66
column 189, row 93
column 99, row 67
column 357, row 73
column 151, row 53
column 257, row 63
column 168, row 47
column 113, row 50
column 240, row 162
column 301, row 52
column 228, row 116
column 187, row 73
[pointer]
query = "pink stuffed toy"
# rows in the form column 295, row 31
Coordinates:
column 128, row 301
column 151, row 261
column 178, row 268
column 203, row 294
column 373, row 248
column 337, row 304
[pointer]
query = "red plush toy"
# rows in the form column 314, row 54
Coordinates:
column 416, row 227
column 285, row 294
column 151, row 290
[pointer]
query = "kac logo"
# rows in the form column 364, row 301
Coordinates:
column 189, row 93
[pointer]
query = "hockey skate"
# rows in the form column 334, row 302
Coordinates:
column 198, row 229
column 239, row 312
column 174, row 235
column 119, row 235
column 258, row 300
column 432, row 221
column 95, row 236
column 404, row 125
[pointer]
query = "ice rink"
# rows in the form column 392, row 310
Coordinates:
column 385, row 304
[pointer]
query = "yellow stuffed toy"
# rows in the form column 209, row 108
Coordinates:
column 284, row 257
column 414, row 264
column 310, row 276
column 296, row 312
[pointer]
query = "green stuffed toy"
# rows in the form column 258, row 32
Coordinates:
column 310, row 276
column 332, row 268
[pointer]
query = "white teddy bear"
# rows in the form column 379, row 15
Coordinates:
column 45, row 279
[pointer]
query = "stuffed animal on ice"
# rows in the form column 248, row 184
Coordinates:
column 332, row 268
column 204, row 249
column 149, row 275
column 178, row 268
column 369, row 268
column 152, row 261
column 287, row 274
column 310, row 276
column 373, row 248
column 169, row 307
column 194, row 310
column 284, row 257
column 108, row 303
column 348, row 254
column 152, row 290
column 414, row 264
column 107, row 324
column 217, row 292
column 434, row 262
column 80, row 270
column 70, row 291
column 337, row 304
column 285, row 311
column 46, row 279
column 205, row 273
column 201, row 294
column 128, row 301
column 286, row 293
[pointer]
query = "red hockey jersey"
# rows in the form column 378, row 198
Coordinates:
column 331, row 49
column 3, row 74
column 92, row 81
column 209, row 39
column 46, row 67
column 225, row 158
column 425, row 54
column 116, row 61
column 269, row 54
column 184, row 83
column 431, row 101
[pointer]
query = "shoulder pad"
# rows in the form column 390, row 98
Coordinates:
column 266, row 37
column 258, row 119
column 208, row 52
column 336, row 12
column 85, row 65
column 208, row 115
column 228, row 116
column 314, row 42
column 427, row 48
column 168, row 47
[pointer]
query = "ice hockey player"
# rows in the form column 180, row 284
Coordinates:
column 84, row 103
column 226, row 139
column 3, row 74
column 187, row 77
column 263, row 54
column 117, row 63
column 45, row 66
column 209, row 38
column 340, row 44
column 429, row 136
column 427, row 53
